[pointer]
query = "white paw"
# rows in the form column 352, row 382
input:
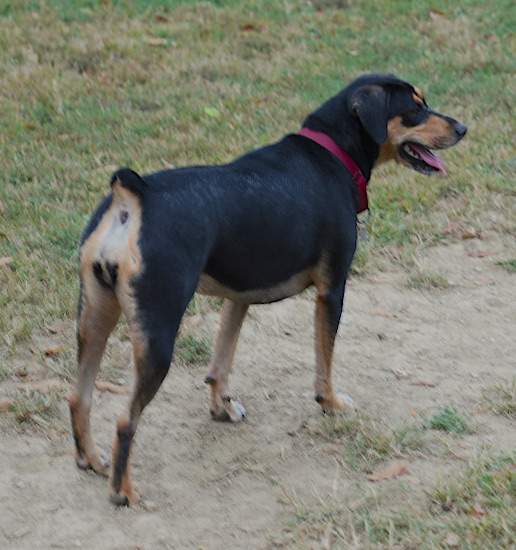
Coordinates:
column 348, row 401
column 237, row 412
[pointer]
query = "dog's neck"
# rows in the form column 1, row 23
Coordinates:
column 324, row 140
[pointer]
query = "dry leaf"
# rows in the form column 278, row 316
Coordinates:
column 451, row 229
column 6, row 405
column 483, row 410
column 477, row 511
column 113, row 388
column 50, row 352
column 425, row 383
column 481, row 254
column 247, row 28
column 158, row 41
column 386, row 314
column 436, row 15
column 452, row 539
column 389, row 473
column 5, row 260
column 470, row 235
column 414, row 414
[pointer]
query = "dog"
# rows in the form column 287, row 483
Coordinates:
column 262, row 228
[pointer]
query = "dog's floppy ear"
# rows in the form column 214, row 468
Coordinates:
column 371, row 105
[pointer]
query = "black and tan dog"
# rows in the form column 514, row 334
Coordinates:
column 259, row 229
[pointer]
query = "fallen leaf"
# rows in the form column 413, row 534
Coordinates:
column 470, row 235
column 50, row 352
column 113, row 388
column 158, row 41
column 436, row 15
column 400, row 373
column 212, row 112
column 386, row 314
column 248, row 27
column 481, row 254
column 2, row 234
column 425, row 383
column 5, row 260
column 477, row 511
column 389, row 473
column 483, row 410
column 452, row 539
column 163, row 19
column 414, row 414
column 6, row 405
column 29, row 126
column 451, row 229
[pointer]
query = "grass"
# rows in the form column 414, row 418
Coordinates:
column 472, row 508
column 88, row 85
column 192, row 350
column 502, row 398
column 363, row 444
column 450, row 420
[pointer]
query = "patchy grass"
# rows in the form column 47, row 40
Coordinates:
column 39, row 407
column 509, row 265
column 362, row 443
column 475, row 510
column 191, row 350
column 450, row 420
column 502, row 398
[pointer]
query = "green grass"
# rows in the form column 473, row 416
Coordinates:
column 191, row 350
column 84, row 91
column 450, row 420
column 364, row 444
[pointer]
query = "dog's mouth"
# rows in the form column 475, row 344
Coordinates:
column 421, row 159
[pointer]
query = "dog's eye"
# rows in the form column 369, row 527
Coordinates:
column 413, row 116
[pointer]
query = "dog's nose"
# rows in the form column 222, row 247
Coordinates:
column 460, row 129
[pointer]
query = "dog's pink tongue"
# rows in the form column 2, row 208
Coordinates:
column 430, row 158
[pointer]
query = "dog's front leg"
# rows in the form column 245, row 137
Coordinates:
column 327, row 317
column 221, row 405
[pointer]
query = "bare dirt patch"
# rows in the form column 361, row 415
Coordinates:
column 401, row 353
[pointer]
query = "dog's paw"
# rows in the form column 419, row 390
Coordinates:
column 99, row 462
column 337, row 403
column 232, row 411
column 125, row 497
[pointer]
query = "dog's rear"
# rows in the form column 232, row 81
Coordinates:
column 110, row 260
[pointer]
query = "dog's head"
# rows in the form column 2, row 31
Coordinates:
column 397, row 118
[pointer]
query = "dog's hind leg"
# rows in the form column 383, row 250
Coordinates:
column 153, row 311
column 327, row 317
column 98, row 314
column 221, row 405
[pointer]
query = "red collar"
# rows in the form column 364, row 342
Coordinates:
column 325, row 141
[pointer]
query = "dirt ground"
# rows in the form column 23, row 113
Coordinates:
column 212, row 485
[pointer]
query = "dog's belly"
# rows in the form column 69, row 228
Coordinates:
column 296, row 284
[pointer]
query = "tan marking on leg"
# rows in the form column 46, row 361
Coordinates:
column 231, row 319
column 99, row 314
column 324, row 345
column 121, row 488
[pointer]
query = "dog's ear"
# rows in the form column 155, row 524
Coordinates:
column 371, row 105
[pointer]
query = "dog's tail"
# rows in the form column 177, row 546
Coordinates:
column 111, row 250
column 128, row 179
